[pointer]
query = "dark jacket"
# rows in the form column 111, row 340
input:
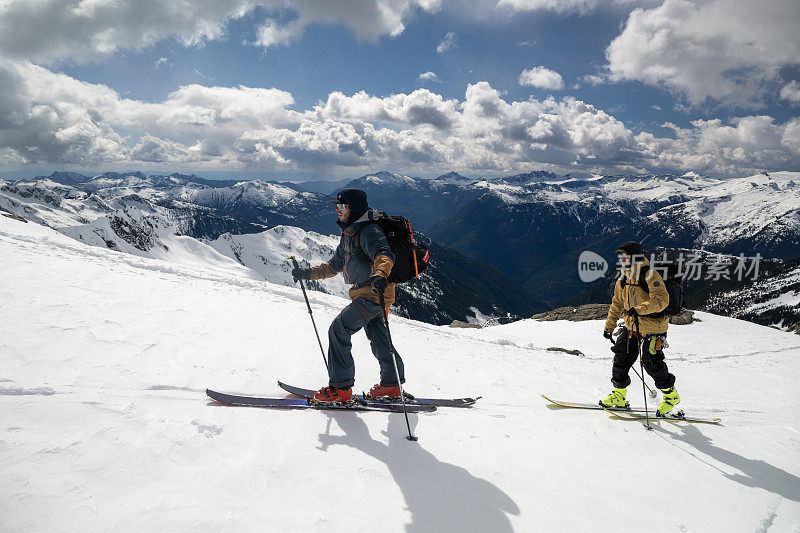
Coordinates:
column 360, row 261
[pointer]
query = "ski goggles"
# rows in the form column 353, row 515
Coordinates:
column 341, row 207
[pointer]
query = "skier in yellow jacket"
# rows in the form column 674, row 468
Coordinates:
column 641, row 302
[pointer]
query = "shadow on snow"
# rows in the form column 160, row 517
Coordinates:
column 754, row 472
column 440, row 496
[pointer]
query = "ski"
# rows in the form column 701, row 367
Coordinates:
column 410, row 400
column 306, row 403
column 670, row 417
column 595, row 406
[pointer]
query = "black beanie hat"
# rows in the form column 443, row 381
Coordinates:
column 356, row 199
column 630, row 248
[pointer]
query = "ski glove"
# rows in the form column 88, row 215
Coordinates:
column 301, row 273
column 607, row 335
column 378, row 283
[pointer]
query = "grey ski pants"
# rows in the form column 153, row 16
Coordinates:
column 360, row 313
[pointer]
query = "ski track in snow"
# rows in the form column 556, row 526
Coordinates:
column 41, row 391
column 112, row 428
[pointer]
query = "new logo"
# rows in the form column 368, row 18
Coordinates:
column 591, row 266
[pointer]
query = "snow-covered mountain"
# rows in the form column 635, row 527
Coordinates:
column 747, row 214
column 534, row 233
column 145, row 234
column 424, row 202
column 200, row 208
column 454, row 288
column 721, row 215
column 267, row 253
column 51, row 203
column 321, row 186
column 773, row 299
column 105, row 424
column 453, row 178
column 754, row 213
column 529, row 227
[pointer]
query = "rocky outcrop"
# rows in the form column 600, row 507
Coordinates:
column 15, row 217
column 684, row 318
column 600, row 312
column 575, row 314
column 571, row 352
column 462, row 324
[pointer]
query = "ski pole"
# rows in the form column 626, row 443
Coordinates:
column 321, row 349
column 396, row 372
column 652, row 392
column 641, row 365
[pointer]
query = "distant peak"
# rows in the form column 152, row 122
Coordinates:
column 60, row 174
column 181, row 176
column 121, row 175
column 67, row 178
column 453, row 176
column 384, row 174
column 529, row 177
column 383, row 177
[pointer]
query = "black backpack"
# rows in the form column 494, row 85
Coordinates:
column 673, row 282
column 410, row 257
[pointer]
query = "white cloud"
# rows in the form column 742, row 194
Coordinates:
column 421, row 107
column 791, row 92
column 368, row 19
column 54, row 118
column 581, row 7
column 151, row 149
column 655, row 107
column 560, row 6
column 542, row 77
column 51, row 118
column 747, row 144
column 591, row 79
column 46, row 30
column 447, row 43
column 429, row 76
column 726, row 50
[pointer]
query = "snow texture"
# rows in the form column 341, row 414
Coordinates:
column 104, row 424
column 267, row 253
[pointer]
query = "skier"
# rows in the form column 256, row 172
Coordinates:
column 645, row 328
column 365, row 260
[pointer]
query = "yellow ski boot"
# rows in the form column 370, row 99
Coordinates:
column 668, row 401
column 616, row 400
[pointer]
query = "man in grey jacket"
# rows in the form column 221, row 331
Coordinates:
column 365, row 260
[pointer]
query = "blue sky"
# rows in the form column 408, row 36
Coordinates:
column 330, row 58
column 639, row 113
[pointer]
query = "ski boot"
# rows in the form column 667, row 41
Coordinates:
column 616, row 399
column 332, row 394
column 379, row 392
column 669, row 400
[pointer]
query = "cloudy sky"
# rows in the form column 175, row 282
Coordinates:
column 336, row 88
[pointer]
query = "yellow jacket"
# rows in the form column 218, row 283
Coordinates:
column 632, row 296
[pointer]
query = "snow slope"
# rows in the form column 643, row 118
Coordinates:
column 104, row 424
column 137, row 232
column 267, row 253
column 50, row 203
